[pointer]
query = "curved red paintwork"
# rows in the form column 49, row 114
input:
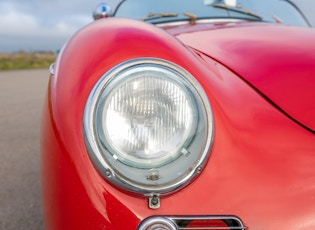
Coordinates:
column 261, row 163
column 277, row 60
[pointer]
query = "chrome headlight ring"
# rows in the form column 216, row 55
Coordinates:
column 148, row 126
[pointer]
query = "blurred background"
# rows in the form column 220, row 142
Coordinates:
column 33, row 25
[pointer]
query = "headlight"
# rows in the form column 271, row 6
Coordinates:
column 148, row 126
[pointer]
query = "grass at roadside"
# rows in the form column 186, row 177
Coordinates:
column 26, row 60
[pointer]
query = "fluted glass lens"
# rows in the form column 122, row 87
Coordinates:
column 148, row 117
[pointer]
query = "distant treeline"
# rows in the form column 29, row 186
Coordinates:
column 26, row 60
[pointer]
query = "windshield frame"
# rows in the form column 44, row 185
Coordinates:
column 223, row 14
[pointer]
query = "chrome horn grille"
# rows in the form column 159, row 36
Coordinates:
column 192, row 223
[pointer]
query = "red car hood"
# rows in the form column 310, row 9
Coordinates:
column 277, row 60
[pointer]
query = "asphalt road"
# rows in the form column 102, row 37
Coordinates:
column 21, row 98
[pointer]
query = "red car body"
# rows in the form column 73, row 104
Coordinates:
column 259, row 78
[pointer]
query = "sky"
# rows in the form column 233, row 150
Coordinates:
column 37, row 25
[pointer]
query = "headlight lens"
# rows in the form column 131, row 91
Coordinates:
column 146, row 117
column 148, row 126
